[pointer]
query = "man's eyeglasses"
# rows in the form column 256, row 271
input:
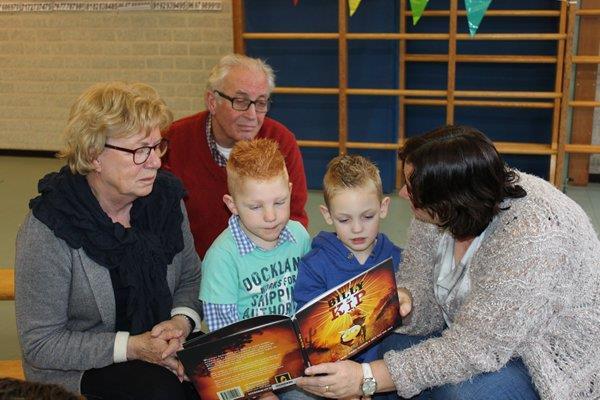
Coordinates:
column 141, row 154
column 244, row 103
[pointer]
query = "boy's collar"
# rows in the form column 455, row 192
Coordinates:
column 244, row 244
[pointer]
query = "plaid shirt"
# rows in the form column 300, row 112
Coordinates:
column 212, row 144
column 220, row 315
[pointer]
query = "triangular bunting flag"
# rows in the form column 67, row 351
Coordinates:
column 417, row 7
column 295, row 2
column 353, row 5
column 475, row 11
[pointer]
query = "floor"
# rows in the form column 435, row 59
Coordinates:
column 18, row 181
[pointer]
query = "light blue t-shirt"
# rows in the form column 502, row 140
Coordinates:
column 260, row 282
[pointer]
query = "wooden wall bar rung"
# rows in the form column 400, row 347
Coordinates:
column 504, row 104
column 306, row 90
column 524, row 148
column 592, row 12
column 349, row 145
column 473, row 58
column 512, row 36
column 398, row 36
column 493, row 13
column 397, row 92
column 408, row 36
column 508, row 94
column 291, row 36
column 586, row 59
column 583, row 103
column 583, row 148
column 422, row 93
column 503, row 147
column 479, row 103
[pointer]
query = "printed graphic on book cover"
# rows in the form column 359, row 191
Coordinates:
column 349, row 318
column 269, row 352
column 244, row 359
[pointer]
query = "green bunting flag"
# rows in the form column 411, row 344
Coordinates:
column 475, row 11
column 417, row 7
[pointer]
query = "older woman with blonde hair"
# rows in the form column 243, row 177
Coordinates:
column 107, row 276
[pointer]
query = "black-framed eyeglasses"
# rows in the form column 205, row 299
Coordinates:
column 141, row 154
column 244, row 103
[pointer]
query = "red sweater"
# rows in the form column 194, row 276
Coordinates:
column 189, row 158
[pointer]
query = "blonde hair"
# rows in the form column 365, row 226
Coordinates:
column 220, row 71
column 258, row 159
column 350, row 171
column 110, row 109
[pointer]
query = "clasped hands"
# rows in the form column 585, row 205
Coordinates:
column 159, row 345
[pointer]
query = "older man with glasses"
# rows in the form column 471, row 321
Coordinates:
column 237, row 97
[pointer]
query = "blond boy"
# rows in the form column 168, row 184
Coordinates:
column 354, row 205
column 251, row 267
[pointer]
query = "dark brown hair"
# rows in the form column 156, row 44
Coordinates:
column 459, row 177
column 16, row 389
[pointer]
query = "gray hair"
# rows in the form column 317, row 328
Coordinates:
column 228, row 62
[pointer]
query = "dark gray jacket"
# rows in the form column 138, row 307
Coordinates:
column 65, row 306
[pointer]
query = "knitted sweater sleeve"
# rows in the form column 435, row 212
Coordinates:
column 513, row 276
column 415, row 274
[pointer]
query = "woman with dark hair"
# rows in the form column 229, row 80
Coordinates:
column 499, row 287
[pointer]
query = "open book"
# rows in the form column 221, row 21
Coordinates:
column 268, row 352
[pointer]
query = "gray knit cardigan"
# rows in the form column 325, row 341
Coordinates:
column 535, row 294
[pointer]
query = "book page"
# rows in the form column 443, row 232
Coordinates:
column 351, row 316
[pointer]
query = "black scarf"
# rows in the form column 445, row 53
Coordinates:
column 138, row 255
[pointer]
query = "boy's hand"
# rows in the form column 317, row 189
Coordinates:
column 405, row 301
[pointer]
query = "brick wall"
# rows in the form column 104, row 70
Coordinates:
column 48, row 59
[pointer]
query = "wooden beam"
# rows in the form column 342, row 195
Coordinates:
column 586, row 76
column 7, row 284
column 238, row 26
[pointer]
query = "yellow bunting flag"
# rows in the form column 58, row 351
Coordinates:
column 475, row 11
column 353, row 5
column 417, row 7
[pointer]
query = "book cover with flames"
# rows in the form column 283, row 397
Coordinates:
column 249, row 363
column 352, row 316
column 268, row 352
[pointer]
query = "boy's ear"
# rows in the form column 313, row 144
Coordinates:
column 385, row 205
column 228, row 200
column 326, row 215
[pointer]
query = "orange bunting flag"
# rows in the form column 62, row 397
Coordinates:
column 353, row 5
column 417, row 7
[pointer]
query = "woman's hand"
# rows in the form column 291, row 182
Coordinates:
column 174, row 331
column 147, row 348
column 405, row 301
column 342, row 379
